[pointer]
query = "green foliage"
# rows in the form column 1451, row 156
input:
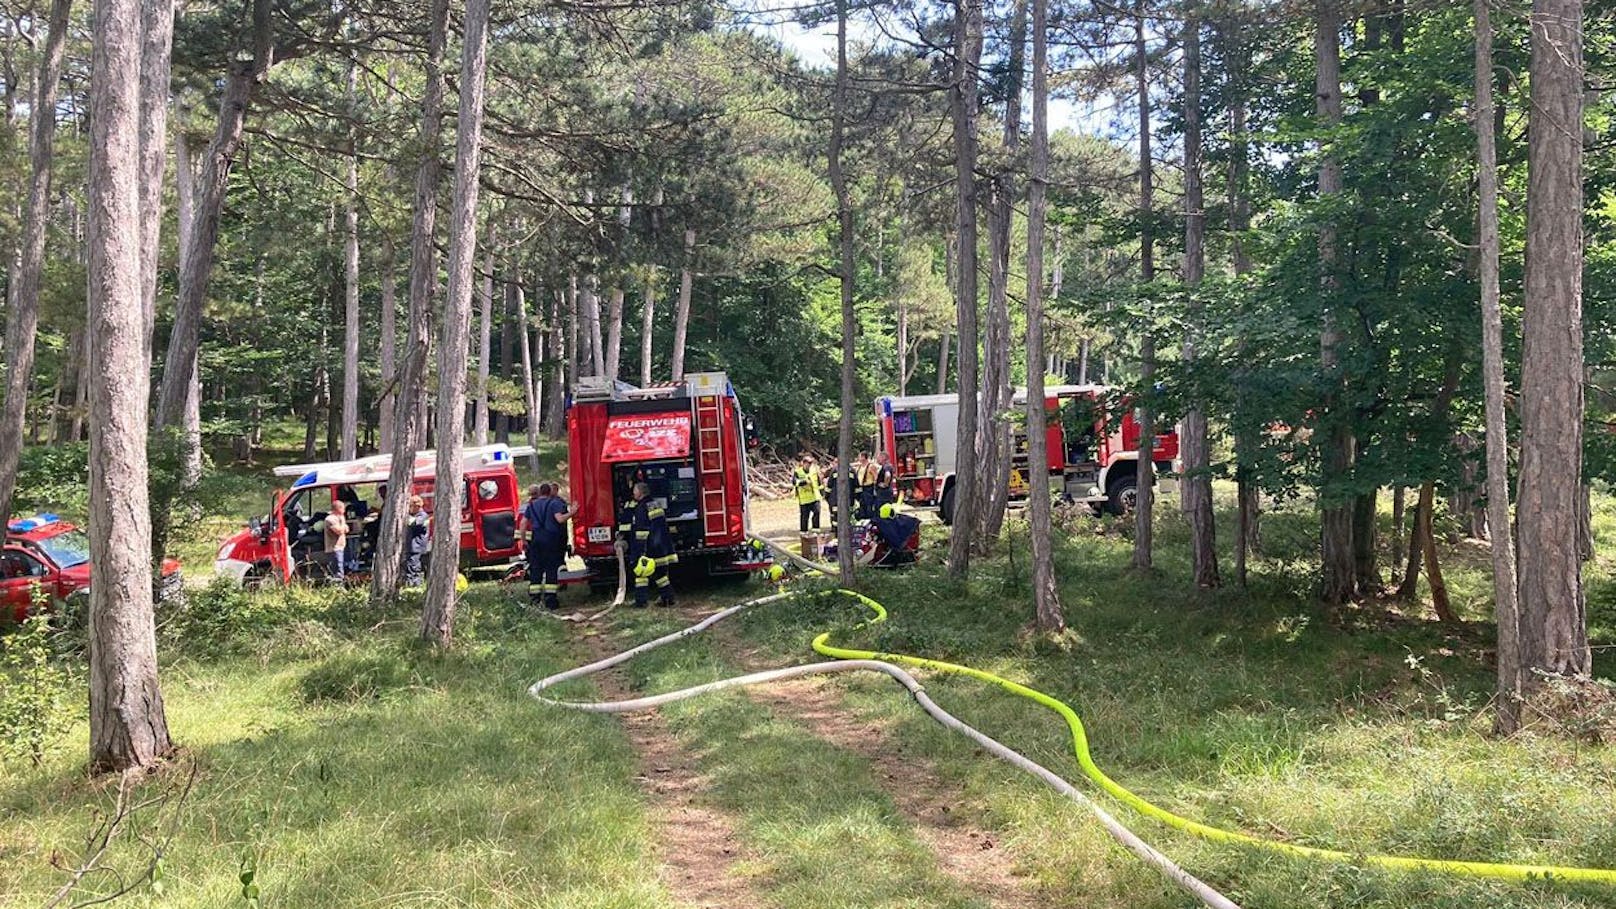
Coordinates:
column 54, row 477
column 37, row 687
column 349, row 677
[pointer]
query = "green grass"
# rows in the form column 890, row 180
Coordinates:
column 356, row 769
column 359, row 769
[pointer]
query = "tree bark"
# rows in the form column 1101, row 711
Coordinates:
column 614, row 332
column 944, row 345
column 156, row 55
column 963, row 113
column 1048, row 616
column 409, row 408
column 681, row 312
column 1340, row 447
column 516, row 298
column 1197, row 487
column 589, row 305
column 350, row 290
column 1247, row 498
column 844, row 246
column 647, row 327
column 993, row 431
column 1365, row 564
column 438, row 609
column 485, row 346
column 22, row 317
column 388, row 359
column 128, row 727
column 1143, row 545
column 1553, row 623
column 1425, row 543
column 557, row 376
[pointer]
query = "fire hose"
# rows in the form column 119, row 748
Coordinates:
column 849, row 659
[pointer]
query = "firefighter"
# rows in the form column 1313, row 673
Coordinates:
column 543, row 526
column 418, row 543
column 809, row 486
column 867, row 472
column 644, row 527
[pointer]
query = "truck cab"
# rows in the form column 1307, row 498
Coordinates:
column 52, row 555
column 286, row 541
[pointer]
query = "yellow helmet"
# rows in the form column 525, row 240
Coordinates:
column 777, row 573
column 889, row 510
column 645, row 567
column 461, row 583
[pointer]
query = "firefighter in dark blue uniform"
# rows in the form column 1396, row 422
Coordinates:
column 544, row 527
column 644, row 526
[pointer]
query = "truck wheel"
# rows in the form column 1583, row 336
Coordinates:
column 1123, row 495
column 945, row 507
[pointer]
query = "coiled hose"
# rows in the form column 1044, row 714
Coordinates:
column 885, row 663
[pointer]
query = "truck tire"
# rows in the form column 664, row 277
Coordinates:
column 1122, row 495
column 945, row 507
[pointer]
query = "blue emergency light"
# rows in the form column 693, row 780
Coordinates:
column 33, row 523
column 307, row 479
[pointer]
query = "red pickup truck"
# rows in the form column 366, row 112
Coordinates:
column 49, row 553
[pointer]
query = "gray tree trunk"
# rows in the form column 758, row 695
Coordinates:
column 438, row 610
column 1553, row 622
column 128, row 727
column 944, row 345
column 155, row 83
column 1197, row 487
column 993, row 432
column 1143, row 526
column 963, row 113
column 681, row 312
column 388, row 359
column 350, row 292
column 485, row 346
column 180, row 366
column 1340, row 447
column 556, row 378
column 22, row 316
column 647, row 326
column 614, row 332
column 1048, row 616
column 589, row 306
column 844, row 245
column 409, row 408
column 516, row 298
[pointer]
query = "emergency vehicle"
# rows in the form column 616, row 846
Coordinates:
column 287, row 542
column 687, row 441
column 45, row 551
column 1093, row 456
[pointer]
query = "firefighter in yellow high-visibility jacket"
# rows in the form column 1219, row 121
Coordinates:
column 808, row 485
column 644, row 527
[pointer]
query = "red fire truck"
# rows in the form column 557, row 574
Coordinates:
column 1094, row 456
column 286, row 543
column 688, row 442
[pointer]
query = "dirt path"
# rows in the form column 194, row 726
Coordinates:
column 966, row 853
column 697, row 849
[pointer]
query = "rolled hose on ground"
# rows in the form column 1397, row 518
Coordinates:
column 884, row 662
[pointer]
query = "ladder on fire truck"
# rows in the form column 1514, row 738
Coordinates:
column 710, row 464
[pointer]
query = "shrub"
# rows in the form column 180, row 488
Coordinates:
column 36, row 687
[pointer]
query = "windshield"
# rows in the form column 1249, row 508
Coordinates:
column 66, row 549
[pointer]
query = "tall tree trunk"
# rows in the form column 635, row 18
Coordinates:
column 350, row 291
column 1366, row 568
column 485, row 347
column 1143, row 546
column 180, row 366
column 156, row 54
column 128, row 727
column 1424, row 548
column 516, row 298
column 647, row 327
column 388, row 359
column 963, row 113
column 557, row 376
column 22, row 317
column 944, row 345
column 844, row 245
column 681, row 312
column 1340, row 447
column 409, row 407
column 902, row 312
column 438, row 610
column 1197, row 489
column 589, row 305
column 614, row 332
column 993, row 428
column 1232, row 34
column 1048, row 616
column 1553, row 629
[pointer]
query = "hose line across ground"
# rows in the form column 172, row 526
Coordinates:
column 889, row 664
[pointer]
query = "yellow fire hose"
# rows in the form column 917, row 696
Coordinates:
column 869, row 659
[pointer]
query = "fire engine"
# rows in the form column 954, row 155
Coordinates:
column 687, row 441
column 285, row 543
column 1093, row 456
column 46, row 552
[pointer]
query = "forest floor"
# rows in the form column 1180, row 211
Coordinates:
column 350, row 767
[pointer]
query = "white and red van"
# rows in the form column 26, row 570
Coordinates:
column 285, row 543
